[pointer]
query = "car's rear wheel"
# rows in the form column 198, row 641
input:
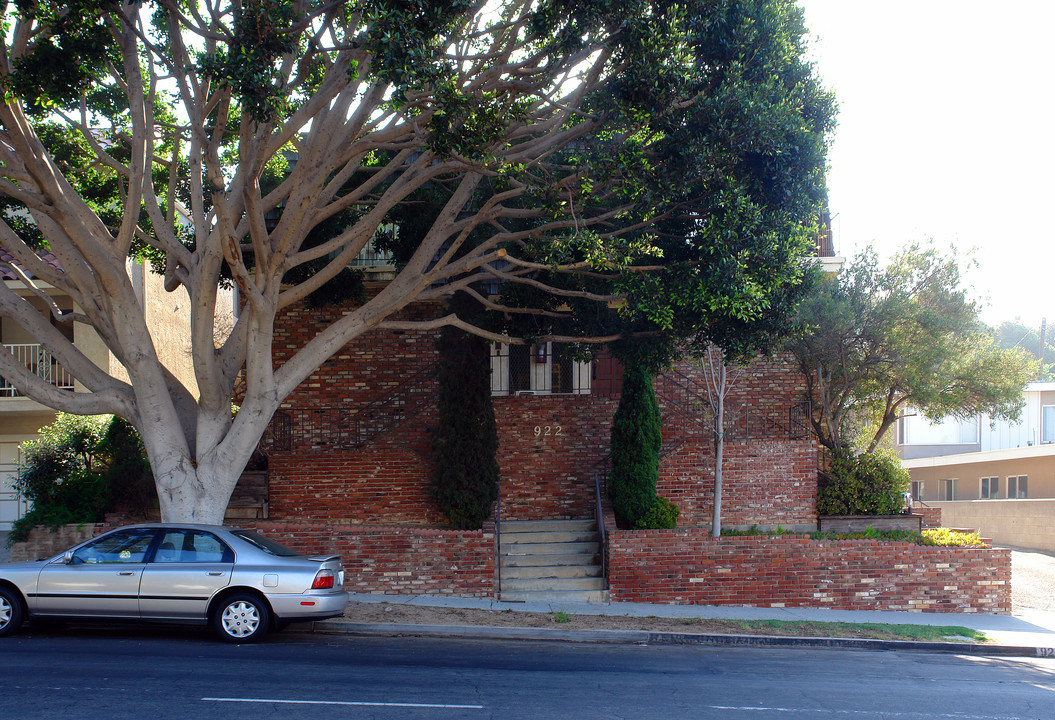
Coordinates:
column 11, row 615
column 241, row 618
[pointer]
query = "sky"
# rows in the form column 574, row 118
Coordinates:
column 946, row 131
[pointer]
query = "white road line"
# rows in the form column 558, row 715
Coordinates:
column 343, row 702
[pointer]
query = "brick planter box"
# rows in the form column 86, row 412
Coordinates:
column 687, row 566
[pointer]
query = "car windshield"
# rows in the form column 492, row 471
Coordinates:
column 267, row 545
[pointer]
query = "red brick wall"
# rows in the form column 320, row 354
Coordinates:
column 400, row 561
column 385, row 484
column 549, row 450
column 931, row 516
column 547, row 473
column 686, row 566
column 683, row 566
column 368, row 368
column 763, row 483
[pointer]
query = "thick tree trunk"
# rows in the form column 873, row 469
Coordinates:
column 195, row 494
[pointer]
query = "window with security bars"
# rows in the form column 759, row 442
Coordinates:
column 539, row 369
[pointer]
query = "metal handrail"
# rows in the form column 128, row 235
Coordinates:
column 601, row 528
column 498, row 541
column 338, row 429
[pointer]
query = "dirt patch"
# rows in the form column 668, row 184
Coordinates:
column 418, row 615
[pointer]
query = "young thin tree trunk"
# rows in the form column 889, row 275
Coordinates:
column 718, row 385
column 719, row 455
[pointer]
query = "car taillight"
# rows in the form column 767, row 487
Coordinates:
column 323, row 580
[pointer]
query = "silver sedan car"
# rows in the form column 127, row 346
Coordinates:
column 238, row 581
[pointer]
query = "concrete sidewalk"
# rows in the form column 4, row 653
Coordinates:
column 1031, row 633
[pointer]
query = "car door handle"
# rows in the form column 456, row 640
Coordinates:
column 127, row 572
column 216, row 574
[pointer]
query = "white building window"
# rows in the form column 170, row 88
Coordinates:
column 990, row 488
column 947, row 489
column 1047, row 433
column 917, row 430
column 916, row 488
column 1018, row 486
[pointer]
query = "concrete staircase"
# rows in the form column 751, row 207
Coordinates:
column 551, row 560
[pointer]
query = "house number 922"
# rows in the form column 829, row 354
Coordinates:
column 547, row 430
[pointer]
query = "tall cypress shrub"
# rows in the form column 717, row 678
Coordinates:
column 465, row 441
column 636, row 440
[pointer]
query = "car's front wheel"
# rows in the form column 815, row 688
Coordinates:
column 10, row 611
column 241, row 618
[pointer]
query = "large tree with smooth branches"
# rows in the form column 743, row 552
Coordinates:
column 882, row 341
column 615, row 167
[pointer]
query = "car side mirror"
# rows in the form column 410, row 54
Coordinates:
column 67, row 557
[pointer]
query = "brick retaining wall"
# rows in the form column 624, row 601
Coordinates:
column 399, row 560
column 683, row 566
column 45, row 542
column 931, row 516
column 392, row 560
column 687, row 566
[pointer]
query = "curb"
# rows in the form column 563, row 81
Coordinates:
column 648, row 637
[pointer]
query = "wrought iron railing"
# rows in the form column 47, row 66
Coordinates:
column 41, row 362
column 682, row 396
column 350, row 428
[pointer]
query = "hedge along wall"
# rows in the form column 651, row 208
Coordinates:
column 686, row 566
column 399, row 560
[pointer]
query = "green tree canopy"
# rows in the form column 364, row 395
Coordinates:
column 905, row 336
column 586, row 169
column 1013, row 334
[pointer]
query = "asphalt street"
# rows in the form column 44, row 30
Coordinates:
column 116, row 673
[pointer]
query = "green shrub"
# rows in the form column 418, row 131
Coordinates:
column 78, row 469
column 867, row 484
column 128, row 475
column 636, row 440
column 755, row 531
column 954, row 538
column 662, row 515
column 465, row 441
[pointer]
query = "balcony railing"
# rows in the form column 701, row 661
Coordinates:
column 40, row 361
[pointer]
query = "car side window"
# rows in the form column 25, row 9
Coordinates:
column 192, row 546
column 123, row 546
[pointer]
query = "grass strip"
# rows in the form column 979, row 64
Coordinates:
column 875, row 631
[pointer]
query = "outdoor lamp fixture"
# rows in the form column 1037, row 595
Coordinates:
column 540, row 353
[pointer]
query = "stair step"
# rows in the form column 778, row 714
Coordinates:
column 536, row 572
column 517, row 526
column 549, row 537
column 586, row 559
column 551, row 584
column 551, row 548
column 585, row 596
